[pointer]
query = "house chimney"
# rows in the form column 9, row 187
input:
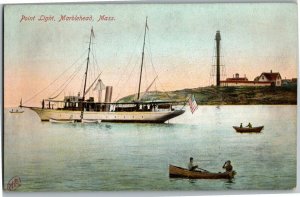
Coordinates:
column 237, row 75
column 271, row 71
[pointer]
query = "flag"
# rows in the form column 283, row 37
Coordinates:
column 92, row 32
column 193, row 104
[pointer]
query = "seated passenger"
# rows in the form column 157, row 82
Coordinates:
column 191, row 166
column 227, row 166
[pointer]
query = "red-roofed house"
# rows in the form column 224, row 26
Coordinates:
column 274, row 78
column 237, row 78
column 243, row 81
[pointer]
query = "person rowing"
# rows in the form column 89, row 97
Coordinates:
column 249, row 125
column 191, row 166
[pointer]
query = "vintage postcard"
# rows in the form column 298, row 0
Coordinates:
column 150, row 97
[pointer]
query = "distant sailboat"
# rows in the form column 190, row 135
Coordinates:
column 17, row 111
column 82, row 110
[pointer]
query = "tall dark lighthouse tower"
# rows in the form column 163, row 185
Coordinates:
column 218, row 40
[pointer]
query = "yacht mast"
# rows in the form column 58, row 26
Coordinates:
column 146, row 27
column 86, row 71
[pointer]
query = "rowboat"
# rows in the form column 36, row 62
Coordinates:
column 16, row 111
column 248, row 130
column 90, row 121
column 178, row 172
column 61, row 121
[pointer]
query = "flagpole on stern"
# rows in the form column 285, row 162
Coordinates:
column 192, row 103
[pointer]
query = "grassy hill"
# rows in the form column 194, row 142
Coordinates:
column 228, row 95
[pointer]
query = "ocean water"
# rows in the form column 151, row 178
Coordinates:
column 118, row 156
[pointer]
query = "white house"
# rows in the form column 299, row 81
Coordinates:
column 274, row 78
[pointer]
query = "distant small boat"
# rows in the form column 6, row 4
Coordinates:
column 178, row 172
column 16, row 111
column 90, row 121
column 248, row 130
column 61, row 121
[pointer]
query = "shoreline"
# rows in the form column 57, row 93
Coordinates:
column 233, row 95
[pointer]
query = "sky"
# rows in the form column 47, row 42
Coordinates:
column 256, row 38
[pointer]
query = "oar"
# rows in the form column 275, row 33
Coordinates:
column 202, row 169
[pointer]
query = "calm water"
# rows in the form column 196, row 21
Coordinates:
column 115, row 156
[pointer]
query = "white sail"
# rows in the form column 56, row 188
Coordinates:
column 99, row 86
column 91, row 85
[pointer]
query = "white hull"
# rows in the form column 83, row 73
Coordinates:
column 144, row 117
column 90, row 121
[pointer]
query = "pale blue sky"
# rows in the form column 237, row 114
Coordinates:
column 255, row 38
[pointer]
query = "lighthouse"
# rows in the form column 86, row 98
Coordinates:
column 218, row 40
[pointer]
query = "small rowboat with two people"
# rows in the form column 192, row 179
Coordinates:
column 248, row 130
column 178, row 172
column 17, row 111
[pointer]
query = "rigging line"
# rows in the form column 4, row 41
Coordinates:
column 76, row 70
column 94, row 57
column 129, row 76
column 92, row 84
column 160, row 83
column 147, row 89
column 91, row 73
column 54, row 80
column 94, row 63
column 150, row 52
column 81, row 86
column 53, row 97
column 145, row 71
column 91, row 67
column 70, row 77
column 97, row 67
column 89, row 76
column 65, row 87
column 130, row 59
